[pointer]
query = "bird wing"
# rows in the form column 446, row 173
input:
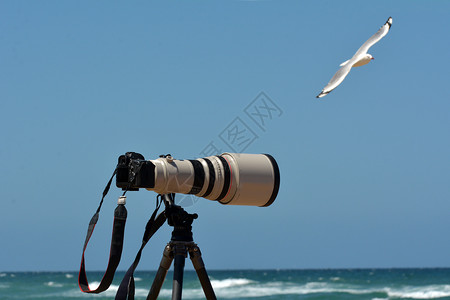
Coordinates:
column 336, row 79
column 374, row 38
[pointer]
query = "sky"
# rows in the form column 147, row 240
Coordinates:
column 364, row 171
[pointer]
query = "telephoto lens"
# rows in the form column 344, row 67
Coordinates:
column 229, row 178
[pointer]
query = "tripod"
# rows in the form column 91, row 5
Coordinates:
column 177, row 249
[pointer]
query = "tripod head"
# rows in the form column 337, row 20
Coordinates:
column 179, row 219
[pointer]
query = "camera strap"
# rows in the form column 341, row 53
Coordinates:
column 127, row 287
column 120, row 216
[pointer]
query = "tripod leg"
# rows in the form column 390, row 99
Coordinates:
column 164, row 266
column 197, row 261
column 180, row 254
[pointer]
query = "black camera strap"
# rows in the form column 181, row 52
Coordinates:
column 120, row 216
column 127, row 287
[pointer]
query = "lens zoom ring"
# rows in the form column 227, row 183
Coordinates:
column 199, row 177
column 212, row 178
column 227, row 178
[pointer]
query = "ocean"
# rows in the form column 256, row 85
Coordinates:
column 373, row 284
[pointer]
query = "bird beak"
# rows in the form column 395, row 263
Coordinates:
column 372, row 58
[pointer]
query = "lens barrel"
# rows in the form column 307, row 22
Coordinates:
column 230, row 178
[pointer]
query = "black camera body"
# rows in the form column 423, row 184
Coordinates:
column 134, row 172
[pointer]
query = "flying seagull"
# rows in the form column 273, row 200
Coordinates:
column 360, row 58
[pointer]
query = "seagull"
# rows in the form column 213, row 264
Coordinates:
column 360, row 58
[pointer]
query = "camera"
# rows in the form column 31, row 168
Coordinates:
column 229, row 178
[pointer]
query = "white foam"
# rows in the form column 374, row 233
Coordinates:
column 112, row 290
column 227, row 283
column 335, row 278
column 93, row 285
column 282, row 288
column 238, row 288
column 425, row 292
column 53, row 284
column 69, row 276
column 233, row 288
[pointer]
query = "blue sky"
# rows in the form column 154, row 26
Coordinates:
column 364, row 171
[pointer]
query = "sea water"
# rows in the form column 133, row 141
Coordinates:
column 370, row 284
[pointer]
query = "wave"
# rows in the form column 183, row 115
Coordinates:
column 4, row 286
column 238, row 288
column 425, row 292
column 253, row 290
column 53, row 284
column 231, row 282
column 110, row 292
column 245, row 288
